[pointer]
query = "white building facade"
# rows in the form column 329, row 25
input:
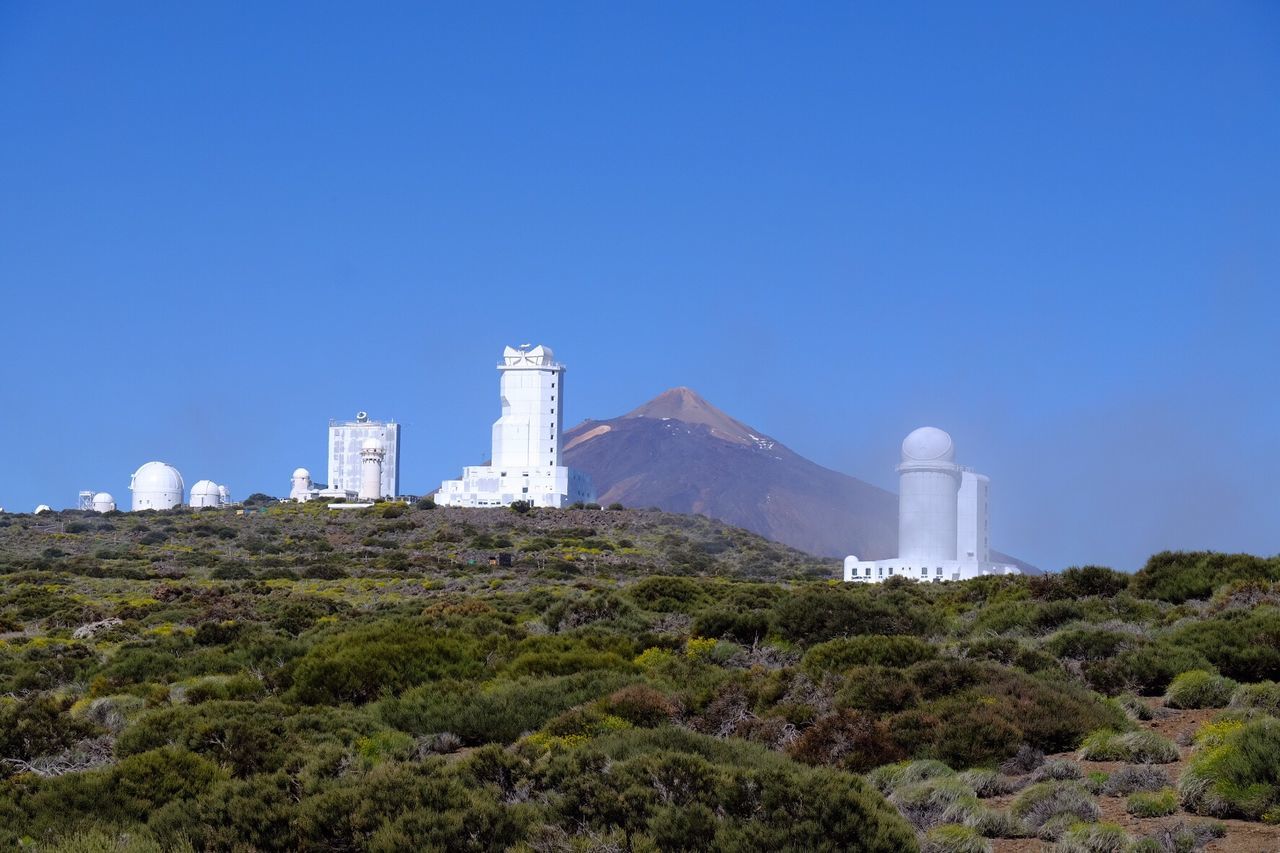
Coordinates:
column 943, row 532
column 526, row 456
column 346, row 438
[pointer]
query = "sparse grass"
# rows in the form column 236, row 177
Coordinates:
column 1137, row 747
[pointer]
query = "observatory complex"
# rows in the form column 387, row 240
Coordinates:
column 526, row 456
column 943, row 532
column 346, row 460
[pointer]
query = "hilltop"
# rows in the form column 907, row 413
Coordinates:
column 302, row 678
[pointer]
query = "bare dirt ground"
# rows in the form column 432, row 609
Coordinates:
column 1178, row 726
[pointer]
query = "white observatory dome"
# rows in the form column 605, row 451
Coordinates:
column 205, row 493
column 103, row 502
column 928, row 444
column 301, row 474
column 41, row 508
column 156, row 486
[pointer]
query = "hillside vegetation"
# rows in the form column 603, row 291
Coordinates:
column 301, row 679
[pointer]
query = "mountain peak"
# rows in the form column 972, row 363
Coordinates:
column 688, row 406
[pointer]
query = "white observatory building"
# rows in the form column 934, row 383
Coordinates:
column 206, row 493
column 943, row 532
column 300, row 488
column 346, row 465
column 526, row 456
column 156, row 486
column 103, row 502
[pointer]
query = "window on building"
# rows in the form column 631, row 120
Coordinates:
column 924, row 570
column 939, row 572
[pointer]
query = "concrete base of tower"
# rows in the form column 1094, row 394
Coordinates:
column 879, row 571
column 488, row 486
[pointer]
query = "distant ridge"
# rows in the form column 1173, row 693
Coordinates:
column 682, row 454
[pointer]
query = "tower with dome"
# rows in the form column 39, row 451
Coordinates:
column 943, row 531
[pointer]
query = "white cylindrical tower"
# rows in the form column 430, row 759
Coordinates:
column 300, row 489
column 532, row 386
column 224, row 495
column 929, row 481
column 156, row 486
column 371, row 453
column 103, row 502
column 204, row 494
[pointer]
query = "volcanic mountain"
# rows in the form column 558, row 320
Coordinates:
column 682, row 454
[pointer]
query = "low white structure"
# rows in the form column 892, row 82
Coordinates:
column 943, row 530
column 205, row 493
column 224, row 495
column 41, row 508
column 103, row 502
column 526, row 441
column 156, row 486
column 372, row 453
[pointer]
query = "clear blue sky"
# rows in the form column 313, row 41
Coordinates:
column 1052, row 229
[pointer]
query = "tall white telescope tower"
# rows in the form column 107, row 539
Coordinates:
column 943, row 530
column 526, row 456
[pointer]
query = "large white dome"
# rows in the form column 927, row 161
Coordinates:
column 928, row 444
column 156, row 477
column 156, row 486
column 205, row 487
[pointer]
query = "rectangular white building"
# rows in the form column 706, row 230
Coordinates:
column 345, row 440
column 525, row 464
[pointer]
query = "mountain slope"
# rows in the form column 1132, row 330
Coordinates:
column 682, row 454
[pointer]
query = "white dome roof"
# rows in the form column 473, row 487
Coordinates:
column 371, row 444
column 156, row 477
column 928, row 444
column 103, row 498
column 205, row 487
column 301, row 473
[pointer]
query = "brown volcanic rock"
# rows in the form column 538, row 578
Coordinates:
column 682, row 454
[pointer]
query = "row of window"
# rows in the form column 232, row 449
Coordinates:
column 924, row 571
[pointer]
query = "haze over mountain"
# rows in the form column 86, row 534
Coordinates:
column 682, row 454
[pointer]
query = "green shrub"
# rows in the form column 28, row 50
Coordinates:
column 1238, row 776
column 890, row 777
column 1045, row 801
column 1263, row 696
column 954, row 839
column 838, row 655
column 1240, row 644
column 945, row 799
column 1136, row 747
column 1094, row 838
column 385, row 657
column 1152, row 803
column 1146, row 670
column 1199, row 689
column 1133, row 778
column 1179, row 576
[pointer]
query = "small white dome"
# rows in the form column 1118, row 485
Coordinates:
column 928, row 444
column 205, row 487
column 103, row 502
column 42, row 508
column 156, row 477
column 301, row 474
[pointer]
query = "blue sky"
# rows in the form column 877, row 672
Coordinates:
column 1052, row 229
